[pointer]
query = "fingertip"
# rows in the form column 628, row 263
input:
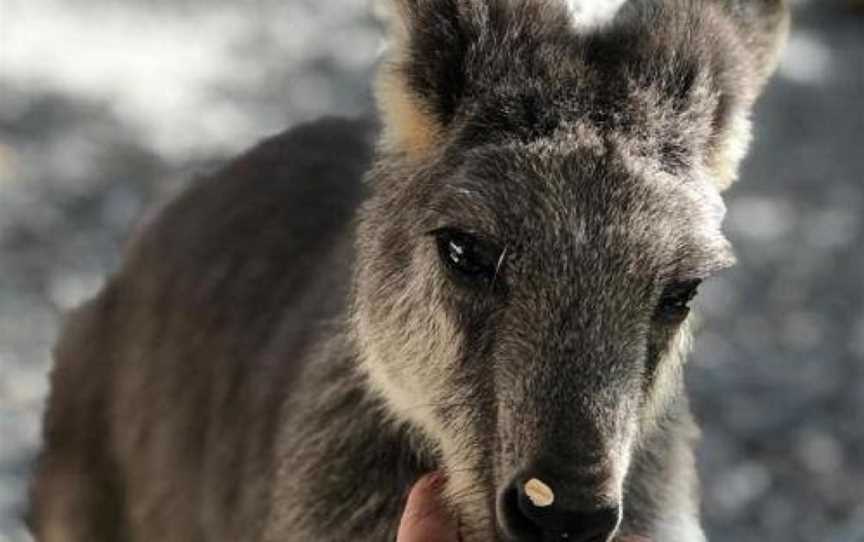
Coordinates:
column 425, row 518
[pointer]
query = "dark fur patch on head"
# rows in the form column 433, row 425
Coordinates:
column 675, row 78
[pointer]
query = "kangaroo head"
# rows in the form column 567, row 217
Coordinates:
column 545, row 205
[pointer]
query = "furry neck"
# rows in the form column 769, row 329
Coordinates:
column 345, row 465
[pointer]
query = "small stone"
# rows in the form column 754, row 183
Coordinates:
column 539, row 493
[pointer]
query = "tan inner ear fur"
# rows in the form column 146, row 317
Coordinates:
column 408, row 128
column 730, row 150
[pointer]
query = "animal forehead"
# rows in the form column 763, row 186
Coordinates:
column 561, row 194
column 586, row 200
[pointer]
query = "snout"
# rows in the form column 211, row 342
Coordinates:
column 539, row 507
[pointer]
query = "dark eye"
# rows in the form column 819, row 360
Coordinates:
column 674, row 303
column 468, row 257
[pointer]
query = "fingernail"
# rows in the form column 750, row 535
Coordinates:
column 435, row 479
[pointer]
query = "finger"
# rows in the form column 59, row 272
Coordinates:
column 425, row 519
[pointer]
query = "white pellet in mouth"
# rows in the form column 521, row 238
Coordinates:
column 539, row 493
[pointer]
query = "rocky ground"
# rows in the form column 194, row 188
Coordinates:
column 111, row 106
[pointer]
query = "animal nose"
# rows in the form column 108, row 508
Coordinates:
column 532, row 512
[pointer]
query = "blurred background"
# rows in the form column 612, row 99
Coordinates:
column 109, row 106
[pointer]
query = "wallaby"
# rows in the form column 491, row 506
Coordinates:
column 286, row 348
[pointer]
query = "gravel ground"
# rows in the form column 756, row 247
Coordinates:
column 109, row 107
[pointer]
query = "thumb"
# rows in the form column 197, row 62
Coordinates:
column 425, row 519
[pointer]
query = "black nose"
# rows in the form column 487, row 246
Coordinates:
column 531, row 512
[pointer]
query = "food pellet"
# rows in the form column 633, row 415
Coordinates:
column 539, row 493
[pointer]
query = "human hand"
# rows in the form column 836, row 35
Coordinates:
column 425, row 519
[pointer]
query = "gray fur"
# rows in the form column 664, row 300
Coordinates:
column 283, row 354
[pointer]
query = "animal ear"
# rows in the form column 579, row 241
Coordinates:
column 712, row 59
column 422, row 79
column 761, row 27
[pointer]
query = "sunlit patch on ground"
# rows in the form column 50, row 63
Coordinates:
column 806, row 60
column 174, row 72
